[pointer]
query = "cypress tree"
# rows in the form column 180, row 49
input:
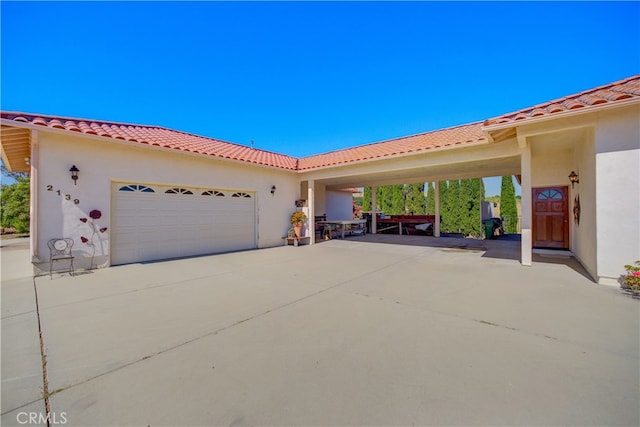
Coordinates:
column 444, row 205
column 431, row 200
column 416, row 202
column 384, row 199
column 508, row 207
column 455, row 208
column 397, row 199
column 366, row 199
column 471, row 195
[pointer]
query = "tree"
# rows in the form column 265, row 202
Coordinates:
column 14, row 205
column 444, row 205
column 454, row 206
column 383, row 194
column 397, row 200
column 366, row 199
column 508, row 207
column 470, row 199
column 416, row 202
column 431, row 200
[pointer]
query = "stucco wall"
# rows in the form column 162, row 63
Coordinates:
column 549, row 165
column 101, row 162
column 617, row 165
column 554, row 155
column 583, row 233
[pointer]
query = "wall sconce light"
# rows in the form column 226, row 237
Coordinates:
column 27, row 161
column 273, row 189
column 573, row 177
column 74, row 174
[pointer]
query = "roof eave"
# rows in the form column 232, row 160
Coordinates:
column 564, row 114
column 24, row 125
column 396, row 156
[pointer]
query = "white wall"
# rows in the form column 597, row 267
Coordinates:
column 583, row 234
column 339, row 205
column 101, row 162
column 617, row 166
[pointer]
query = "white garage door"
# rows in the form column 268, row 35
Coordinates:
column 151, row 222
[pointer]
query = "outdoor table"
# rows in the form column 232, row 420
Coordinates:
column 345, row 224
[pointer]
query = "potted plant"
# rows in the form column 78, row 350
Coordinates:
column 297, row 218
column 631, row 282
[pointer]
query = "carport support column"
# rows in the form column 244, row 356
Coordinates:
column 526, row 243
column 311, row 221
column 374, row 210
column 436, row 226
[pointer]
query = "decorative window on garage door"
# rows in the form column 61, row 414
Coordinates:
column 214, row 193
column 137, row 188
column 240, row 194
column 178, row 191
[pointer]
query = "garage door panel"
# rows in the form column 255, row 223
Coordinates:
column 157, row 225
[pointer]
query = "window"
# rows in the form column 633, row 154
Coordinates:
column 550, row 194
column 137, row 188
column 214, row 193
column 240, row 194
column 178, row 191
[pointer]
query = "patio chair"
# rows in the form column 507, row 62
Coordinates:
column 60, row 250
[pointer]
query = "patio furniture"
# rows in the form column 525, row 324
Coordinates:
column 60, row 250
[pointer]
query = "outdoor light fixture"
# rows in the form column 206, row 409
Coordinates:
column 273, row 189
column 27, row 161
column 74, row 174
column 573, row 177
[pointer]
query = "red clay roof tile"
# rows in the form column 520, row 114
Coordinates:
column 465, row 134
column 160, row 137
column 455, row 136
column 614, row 92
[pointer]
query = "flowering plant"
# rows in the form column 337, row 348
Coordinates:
column 298, row 216
column 632, row 280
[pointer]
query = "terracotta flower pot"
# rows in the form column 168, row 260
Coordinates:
column 297, row 228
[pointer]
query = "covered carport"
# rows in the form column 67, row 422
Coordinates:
column 461, row 152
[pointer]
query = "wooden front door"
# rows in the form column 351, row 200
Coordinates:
column 551, row 217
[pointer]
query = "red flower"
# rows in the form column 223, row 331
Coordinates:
column 83, row 219
column 103, row 229
column 84, row 239
column 95, row 214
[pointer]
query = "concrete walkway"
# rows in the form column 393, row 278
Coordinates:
column 345, row 332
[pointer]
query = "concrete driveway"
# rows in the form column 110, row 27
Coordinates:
column 340, row 333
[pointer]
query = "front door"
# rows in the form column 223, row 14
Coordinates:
column 551, row 217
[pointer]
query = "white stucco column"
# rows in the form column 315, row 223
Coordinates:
column 374, row 210
column 436, row 226
column 526, row 251
column 33, row 194
column 311, row 221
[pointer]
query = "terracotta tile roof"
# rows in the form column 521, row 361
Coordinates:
column 621, row 90
column 160, row 137
column 474, row 133
column 459, row 135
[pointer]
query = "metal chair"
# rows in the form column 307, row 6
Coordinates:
column 60, row 250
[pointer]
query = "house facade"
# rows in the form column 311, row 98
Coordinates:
column 145, row 193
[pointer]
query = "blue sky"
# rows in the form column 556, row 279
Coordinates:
column 302, row 78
